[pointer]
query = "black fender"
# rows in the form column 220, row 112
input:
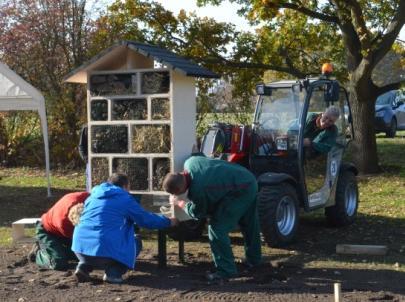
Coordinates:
column 270, row 178
column 347, row 166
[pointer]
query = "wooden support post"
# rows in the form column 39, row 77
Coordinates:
column 162, row 254
column 181, row 251
column 338, row 292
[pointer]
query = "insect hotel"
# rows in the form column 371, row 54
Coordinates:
column 141, row 109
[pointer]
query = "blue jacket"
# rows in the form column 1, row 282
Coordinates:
column 106, row 227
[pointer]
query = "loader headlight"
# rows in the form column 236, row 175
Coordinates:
column 282, row 143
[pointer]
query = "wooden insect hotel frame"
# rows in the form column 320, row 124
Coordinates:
column 141, row 109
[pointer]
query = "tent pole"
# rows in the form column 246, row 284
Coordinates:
column 44, row 124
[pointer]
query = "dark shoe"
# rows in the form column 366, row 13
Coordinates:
column 32, row 255
column 81, row 275
column 113, row 280
column 248, row 266
column 215, row 278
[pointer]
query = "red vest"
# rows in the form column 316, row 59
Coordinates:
column 56, row 221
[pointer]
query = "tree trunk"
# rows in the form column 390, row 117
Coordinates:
column 364, row 147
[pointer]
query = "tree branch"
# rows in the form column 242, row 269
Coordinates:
column 382, row 47
column 310, row 13
column 386, row 88
column 248, row 65
column 350, row 37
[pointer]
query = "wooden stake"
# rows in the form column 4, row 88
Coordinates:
column 361, row 249
column 338, row 292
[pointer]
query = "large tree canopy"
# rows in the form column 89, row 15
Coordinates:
column 364, row 31
column 44, row 40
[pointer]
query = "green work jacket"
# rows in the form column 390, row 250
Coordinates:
column 322, row 139
column 212, row 181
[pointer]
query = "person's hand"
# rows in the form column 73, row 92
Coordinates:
column 173, row 222
column 181, row 204
column 172, row 199
column 307, row 142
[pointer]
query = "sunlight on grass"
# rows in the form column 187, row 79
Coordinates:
column 5, row 236
column 29, row 177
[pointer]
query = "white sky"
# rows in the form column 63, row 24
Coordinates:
column 226, row 12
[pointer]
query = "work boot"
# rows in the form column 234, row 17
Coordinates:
column 215, row 278
column 32, row 255
column 113, row 280
column 249, row 266
column 81, row 275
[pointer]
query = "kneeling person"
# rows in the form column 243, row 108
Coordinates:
column 52, row 249
column 104, row 238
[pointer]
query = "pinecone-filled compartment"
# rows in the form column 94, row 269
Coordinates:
column 109, row 139
column 129, row 109
column 99, row 110
column 155, row 82
column 136, row 169
column 150, row 138
column 160, row 167
column 160, row 109
column 99, row 170
column 112, row 84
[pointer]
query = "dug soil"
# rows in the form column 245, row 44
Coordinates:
column 305, row 271
column 278, row 279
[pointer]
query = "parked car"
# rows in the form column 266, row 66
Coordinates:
column 390, row 112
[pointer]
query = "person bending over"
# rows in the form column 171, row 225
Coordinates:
column 52, row 249
column 226, row 193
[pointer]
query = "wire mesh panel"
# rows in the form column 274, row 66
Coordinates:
column 150, row 138
column 136, row 169
column 109, row 139
column 113, row 84
column 160, row 108
column 99, row 170
column 160, row 167
column 155, row 82
column 129, row 109
column 99, row 110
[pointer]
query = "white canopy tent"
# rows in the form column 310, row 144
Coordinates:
column 17, row 94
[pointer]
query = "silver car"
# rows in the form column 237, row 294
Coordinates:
column 390, row 112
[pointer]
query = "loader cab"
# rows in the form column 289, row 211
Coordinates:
column 281, row 123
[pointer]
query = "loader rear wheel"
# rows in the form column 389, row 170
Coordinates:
column 278, row 213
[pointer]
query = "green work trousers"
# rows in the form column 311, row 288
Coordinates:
column 54, row 252
column 231, row 212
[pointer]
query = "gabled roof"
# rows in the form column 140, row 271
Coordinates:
column 117, row 53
